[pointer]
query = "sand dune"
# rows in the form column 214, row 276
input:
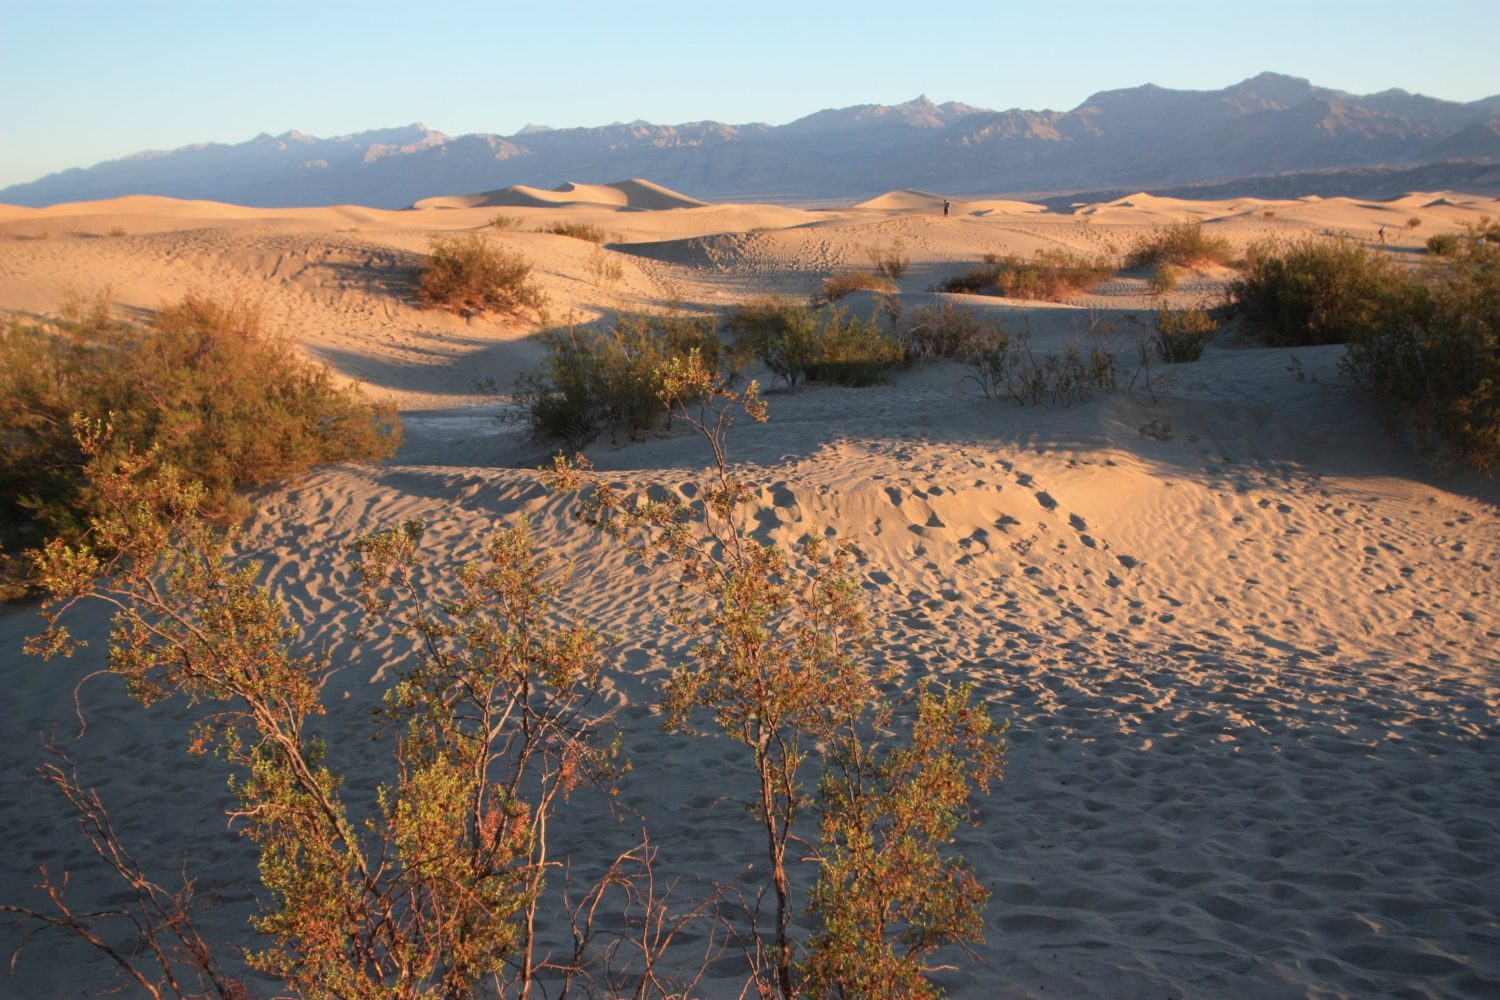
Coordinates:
column 636, row 194
column 1246, row 638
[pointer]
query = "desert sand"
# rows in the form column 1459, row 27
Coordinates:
column 1246, row 634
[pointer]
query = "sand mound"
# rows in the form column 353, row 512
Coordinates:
column 907, row 200
column 634, row 194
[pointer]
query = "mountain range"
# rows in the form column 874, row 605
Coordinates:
column 1140, row 138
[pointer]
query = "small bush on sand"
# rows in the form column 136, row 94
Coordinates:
column 779, row 333
column 504, row 221
column 598, row 379
column 944, row 332
column 470, row 275
column 890, row 260
column 800, row 344
column 203, row 389
column 1051, row 275
column 780, row 664
column 1413, row 222
column 1182, row 333
column 842, row 283
column 1184, row 244
column 1434, row 356
column 575, row 230
column 1442, row 244
column 1314, row 291
column 1164, row 278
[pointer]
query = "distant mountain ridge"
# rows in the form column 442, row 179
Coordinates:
column 1137, row 138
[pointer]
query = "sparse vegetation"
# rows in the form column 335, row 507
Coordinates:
column 800, row 344
column 842, row 283
column 604, row 267
column 1051, row 275
column 1442, row 244
column 1181, row 334
column 1434, row 355
column 944, row 332
column 779, row 665
column 600, row 378
column 1183, row 244
column 116, row 231
column 1314, row 291
column 890, row 260
column 430, row 884
column 504, row 221
column 203, row 389
column 1413, row 222
column 1164, row 278
column 471, row 275
column 576, row 230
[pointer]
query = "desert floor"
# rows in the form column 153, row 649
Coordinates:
column 1244, row 632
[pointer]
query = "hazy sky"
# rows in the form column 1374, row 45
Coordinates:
column 82, row 82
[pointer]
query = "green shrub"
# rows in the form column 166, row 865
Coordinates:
column 1051, row 275
column 1435, row 355
column 203, row 389
column 470, row 275
column 944, row 332
column 604, row 378
column 1184, row 244
column 1314, row 291
column 851, row 351
column 890, row 261
column 781, row 334
column 990, row 362
column 1442, row 244
column 1164, row 278
column 799, row 344
column 1182, row 333
column 975, row 281
column 576, row 230
column 842, row 283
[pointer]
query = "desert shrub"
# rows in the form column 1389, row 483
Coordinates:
column 1051, row 275
column 1183, row 243
column 852, row 351
column 427, row 885
column 1072, row 375
column 1434, row 357
column 779, row 664
column 504, row 221
column 203, row 389
column 604, row 268
column 779, row 333
column 116, row 231
column 829, row 345
column 1442, row 244
column 890, row 260
column 974, row 281
column 470, row 275
column 989, row 361
column 1413, row 222
column 601, row 378
column 576, row 230
column 842, row 283
column 1314, row 291
column 944, row 332
column 1164, row 278
column 1182, row 333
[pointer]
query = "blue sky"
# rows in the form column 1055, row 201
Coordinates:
column 84, row 81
